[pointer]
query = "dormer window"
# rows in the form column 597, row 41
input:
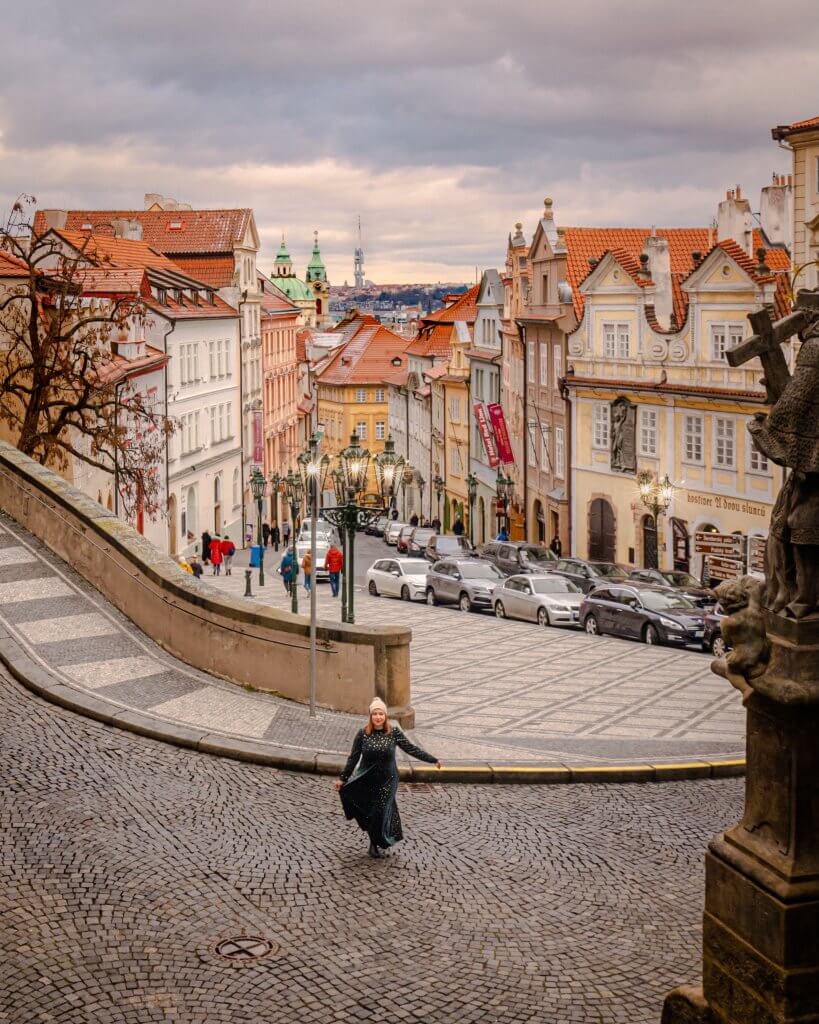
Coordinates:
column 87, row 226
column 175, row 225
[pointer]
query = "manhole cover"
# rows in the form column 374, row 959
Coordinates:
column 244, row 947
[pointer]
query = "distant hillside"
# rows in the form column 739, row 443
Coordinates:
column 427, row 296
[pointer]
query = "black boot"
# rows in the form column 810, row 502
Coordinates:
column 375, row 852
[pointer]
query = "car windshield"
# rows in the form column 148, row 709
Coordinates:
column 422, row 536
column 682, row 579
column 451, row 545
column 414, row 566
column 537, row 556
column 607, row 569
column 480, row 571
column 322, row 527
column 556, row 585
column 659, row 601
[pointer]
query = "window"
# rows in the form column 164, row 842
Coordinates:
column 236, row 488
column 361, row 395
column 544, row 366
column 648, row 432
column 379, row 430
column 545, row 457
column 724, row 442
column 557, row 363
column 723, row 338
column 379, row 394
column 616, row 341
column 544, row 289
column 361, row 430
column 757, row 462
column 531, row 445
column 454, row 409
column 212, row 359
column 225, row 410
column 479, row 385
column 560, row 453
column 600, row 426
column 692, row 438
column 228, row 367
column 530, row 361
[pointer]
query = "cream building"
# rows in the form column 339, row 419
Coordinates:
column 802, row 138
column 513, row 389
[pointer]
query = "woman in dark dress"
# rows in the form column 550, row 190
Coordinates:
column 368, row 791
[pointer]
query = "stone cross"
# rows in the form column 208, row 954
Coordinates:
column 765, row 344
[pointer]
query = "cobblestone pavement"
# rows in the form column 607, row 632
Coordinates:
column 124, row 862
column 483, row 689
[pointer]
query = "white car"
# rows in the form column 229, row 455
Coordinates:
column 398, row 577
column 547, row 599
column 392, row 532
column 326, row 535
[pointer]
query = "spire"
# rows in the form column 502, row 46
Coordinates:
column 316, row 270
column 284, row 265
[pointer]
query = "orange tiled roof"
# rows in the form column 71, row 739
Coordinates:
column 120, row 252
column 169, row 231
column 119, row 367
column 783, row 130
column 366, row 357
column 113, row 280
column 435, row 330
column 11, row 266
column 217, row 271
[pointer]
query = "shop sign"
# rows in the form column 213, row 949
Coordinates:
column 729, row 545
column 487, row 436
column 501, row 433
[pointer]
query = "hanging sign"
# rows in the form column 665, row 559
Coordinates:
column 502, row 441
column 258, row 438
column 487, row 436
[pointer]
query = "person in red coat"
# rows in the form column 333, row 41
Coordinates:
column 334, row 563
column 216, row 555
column 228, row 551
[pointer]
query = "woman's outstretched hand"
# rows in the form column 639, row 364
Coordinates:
column 438, row 764
column 339, row 784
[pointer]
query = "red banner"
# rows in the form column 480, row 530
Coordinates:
column 487, row 436
column 504, row 445
column 258, row 438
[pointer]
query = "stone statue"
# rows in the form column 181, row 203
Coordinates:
column 743, row 629
column 623, row 436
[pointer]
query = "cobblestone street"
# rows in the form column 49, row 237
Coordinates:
column 124, row 862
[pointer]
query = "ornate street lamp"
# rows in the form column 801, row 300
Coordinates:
column 258, row 485
column 438, row 484
column 407, row 477
column 472, row 490
column 421, row 485
column 313, row 474
column 656, row 494
column 503, row 486
column 388, row 470
column 275, row 483
column 293, row 492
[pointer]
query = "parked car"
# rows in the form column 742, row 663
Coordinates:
column 548, row 600
column 513, row 557
column 712, row 639
column 683, row 582
column 587, row 575
column 419, row 538
column 467, row 582
column 377, row 527
column 641, row 611
column 440, row 546
column 398, row 577
column 392, row 532
column 326, row 534
column 402, row 544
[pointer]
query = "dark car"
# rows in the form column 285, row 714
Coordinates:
column 377, row 527
column 683, row 582
column 588, row 575
column 440, row 546
column 419, row 538
column 656, row 615
column 513, row 557
column 712, row 639
column 467, row 582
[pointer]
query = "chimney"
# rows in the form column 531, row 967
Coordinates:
column 659, row 268
column 734, row 220
column 127, row 227
column 54, row 219
column 776, row 211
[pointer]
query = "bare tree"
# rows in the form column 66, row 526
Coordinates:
column 64, row 394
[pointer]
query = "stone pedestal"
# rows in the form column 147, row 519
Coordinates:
column 761, row 921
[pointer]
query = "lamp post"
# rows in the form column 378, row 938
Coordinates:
column 258, row 485
column 313, row 474
column 472, row 490
column 293, row 493
column 421, row 485
column 354, row 462
column 656, row 494
column 438, row 484
column 407, row 476
column 275, row 482
column 388, row 473
column 503, row 486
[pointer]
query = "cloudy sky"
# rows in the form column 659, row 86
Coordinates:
column 440, row 124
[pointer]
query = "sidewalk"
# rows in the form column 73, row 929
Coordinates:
column 496, row 701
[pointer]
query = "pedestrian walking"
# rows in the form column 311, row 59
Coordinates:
column 275, row 537
column 196, row 567
column 265, row 534
column 502, row 534
column 334, row 563
column 216, row 555
column 556, row 546
column 436, row 524
column 206, row 547
column 286, row 570
column 307, row 568
column 413, row 520
column 286, row 532
column 458, row 527
column 394, row 514
column 369, row 782
column 228, row 551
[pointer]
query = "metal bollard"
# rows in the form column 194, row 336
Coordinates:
column 248, row 574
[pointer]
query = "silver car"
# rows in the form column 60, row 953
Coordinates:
column 392, row 532
column 548, row 600
column 326, row 534
column 467, row 582
column 398, row 577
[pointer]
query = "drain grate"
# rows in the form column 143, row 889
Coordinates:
column 244, row 947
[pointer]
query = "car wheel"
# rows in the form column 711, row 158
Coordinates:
column 591, row 627
column 543, row 617
column 718, row 646
column 500, row 611
column 650, row 635
column 405, row 594
column 464, row 603
column 373, row 589
column 431, row 600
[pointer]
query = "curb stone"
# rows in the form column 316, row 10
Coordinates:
column 46, row 685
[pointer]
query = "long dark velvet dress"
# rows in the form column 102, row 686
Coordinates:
column 368, row 793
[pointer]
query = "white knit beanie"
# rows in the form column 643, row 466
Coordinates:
column 378, row 705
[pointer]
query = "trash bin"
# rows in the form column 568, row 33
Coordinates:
column 255, row 556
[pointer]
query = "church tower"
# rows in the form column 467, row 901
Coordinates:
column 317, row 280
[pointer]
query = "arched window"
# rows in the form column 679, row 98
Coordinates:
column 217, row 490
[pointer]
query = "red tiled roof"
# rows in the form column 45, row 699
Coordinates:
column 273, row 299
column 120, row 252
column 464, row 308
column 783, row 130
column 667, row 388
column 302, row 337
column 366, row 357
column 217, row 271
column 113, row 281
column 397, row 379
column 11, row 266
column 435, row 330
column 119, row 367
column 198, row 231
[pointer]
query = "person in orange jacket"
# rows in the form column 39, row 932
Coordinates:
column 334, row 563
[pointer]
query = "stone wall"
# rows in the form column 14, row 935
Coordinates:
column 234, row 639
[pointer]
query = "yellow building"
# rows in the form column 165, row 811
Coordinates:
column 352, row 394
column 650, row 389
column 455, row 384
column 803, row 139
